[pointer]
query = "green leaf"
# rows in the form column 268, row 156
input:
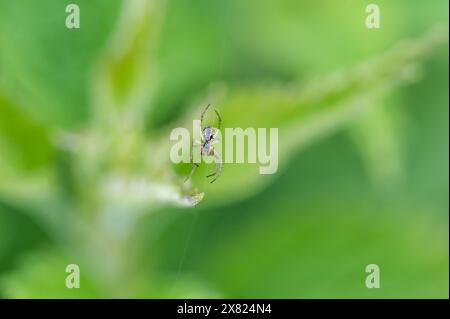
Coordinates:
column 43, row 275
column 377, row 137
column 304, row 114
column 45, row 66
column 25, row 141
column 125, row 76
column 322, row 252
column 26, row 156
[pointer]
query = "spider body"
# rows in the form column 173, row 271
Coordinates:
column 208, row 136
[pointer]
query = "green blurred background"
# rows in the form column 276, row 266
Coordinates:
column 85, row 177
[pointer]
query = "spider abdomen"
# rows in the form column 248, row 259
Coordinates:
column 208, row 133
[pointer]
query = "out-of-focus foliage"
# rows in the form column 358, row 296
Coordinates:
column 85, row 177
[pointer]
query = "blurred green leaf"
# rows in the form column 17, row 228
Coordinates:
column 43, row 275
column 304, row 114
column 378, row 139
column 75, row 156
column 25, row 140
column 47, row 67
column 125, row 77
column 306, row 255
column 13, row 243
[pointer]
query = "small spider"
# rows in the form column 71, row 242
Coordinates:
column 208, row 136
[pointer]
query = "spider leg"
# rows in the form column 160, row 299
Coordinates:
column 219, row 125
column 218, row 168
column 194, row 165
column 194, row 144
column 203, row 115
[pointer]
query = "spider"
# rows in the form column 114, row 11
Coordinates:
column 208, row 137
